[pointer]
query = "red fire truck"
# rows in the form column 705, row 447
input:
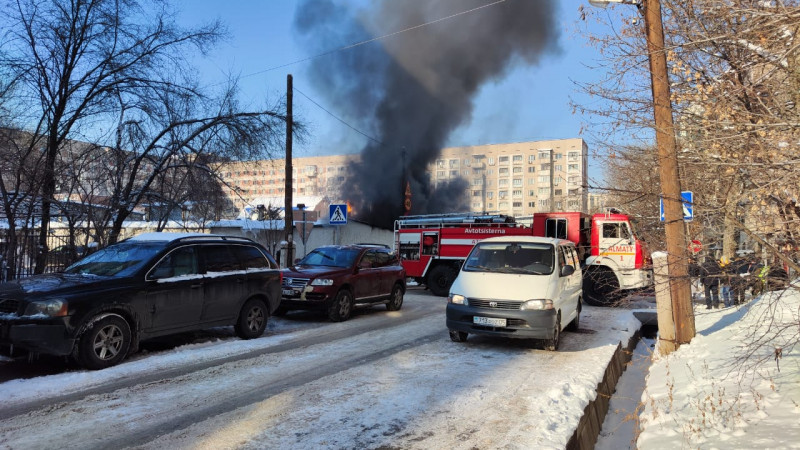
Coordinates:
column 433, row 247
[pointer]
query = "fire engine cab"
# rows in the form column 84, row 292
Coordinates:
column 433, row 247
column 614, row 259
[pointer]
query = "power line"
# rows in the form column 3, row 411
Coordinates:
column 357, row 44
column 338, row 118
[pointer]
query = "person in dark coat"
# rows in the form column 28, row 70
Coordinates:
column 710, row 277
column 739, row 273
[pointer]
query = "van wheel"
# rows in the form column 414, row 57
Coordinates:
column 252, row 319
column 396, row 300
column 104, row 344
column 576, row 322
column 552, row 344
column 458, row 336
column 341, row 307
column 440, row 279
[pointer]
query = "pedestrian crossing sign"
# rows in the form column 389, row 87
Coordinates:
column 337, row 214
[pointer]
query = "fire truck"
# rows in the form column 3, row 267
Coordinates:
column 433, row 247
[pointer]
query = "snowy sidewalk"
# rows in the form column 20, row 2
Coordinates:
column 736, row 385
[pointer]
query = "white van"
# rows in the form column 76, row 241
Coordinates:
column 518, row 287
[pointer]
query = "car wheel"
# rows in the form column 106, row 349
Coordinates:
column 252, row 319
column 552, row 344
column 440, row 280
column 341, row 307
column 576, row 322
column 396, row 300
column 458, row 336
column 600, row 288
column 104, row 343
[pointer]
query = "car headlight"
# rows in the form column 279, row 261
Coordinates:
column 49, row 308
column 457, row 299
column 322, row 282
column 537, row 304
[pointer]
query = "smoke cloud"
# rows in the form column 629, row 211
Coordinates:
column 409, row 91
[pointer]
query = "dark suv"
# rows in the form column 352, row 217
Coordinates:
column 335, row 279
column 151, row 285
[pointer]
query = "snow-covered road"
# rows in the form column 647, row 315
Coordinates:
column 382, row 379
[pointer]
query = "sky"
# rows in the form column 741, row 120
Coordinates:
column 528, row 103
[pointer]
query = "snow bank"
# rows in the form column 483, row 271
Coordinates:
column 736, row 385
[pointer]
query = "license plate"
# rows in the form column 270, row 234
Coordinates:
column 289, row 292
column 491, row 321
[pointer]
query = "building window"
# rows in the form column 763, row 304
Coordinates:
column 544, row 167
column 503, row 171
column 517, row 159
column 453, row 163
column 573, row 167
column 517, row 170
column 491, row 161
column 490, row 195
column 531, row 204
column 573, row 192
column 476, row 193
column 477, row 181
column 440, row 173
column 503, row 160
column 531, row 169
column 517, row 204
column 503, row 182
column 516, row 193
column 502, row 194
column 466, row 162
column 544, row 191
column 573, row 156
column 503, row 205
column 558, row 192
column 454, row 173
column 517, row 182
column 544, row 155
column 531, row 159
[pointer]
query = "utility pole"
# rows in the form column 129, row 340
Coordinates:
column 677, row 264
column 288, row 224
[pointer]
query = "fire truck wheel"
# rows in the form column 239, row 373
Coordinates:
column 396, row 300
column 458, row 336
column 600, row 288
column 341, row 307
column 440, row 280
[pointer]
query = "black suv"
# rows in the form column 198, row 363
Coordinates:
column 337, row 278
column 151, row 285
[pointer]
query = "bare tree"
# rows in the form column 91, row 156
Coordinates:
column 85, row 66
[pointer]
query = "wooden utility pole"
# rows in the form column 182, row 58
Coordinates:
column 677, row 261
column 288, row 224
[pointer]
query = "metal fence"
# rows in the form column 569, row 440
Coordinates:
column 60, row 254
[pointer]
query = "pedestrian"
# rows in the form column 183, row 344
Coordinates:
column 725, row 281
column 739, row 272
column 710, row 276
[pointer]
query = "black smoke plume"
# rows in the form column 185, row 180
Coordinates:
column 409, row 91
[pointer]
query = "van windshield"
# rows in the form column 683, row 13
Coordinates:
column 511, row 257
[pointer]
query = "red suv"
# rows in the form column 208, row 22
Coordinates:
column 336, row 279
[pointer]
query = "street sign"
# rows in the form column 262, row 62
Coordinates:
column 337, row 214
column 695, row 246
column 688, row 206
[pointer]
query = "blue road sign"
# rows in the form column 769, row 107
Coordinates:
column 337, row 214
column 688, row 206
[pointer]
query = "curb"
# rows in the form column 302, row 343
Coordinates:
column 585, row 436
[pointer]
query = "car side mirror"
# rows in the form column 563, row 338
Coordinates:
column 567, row 270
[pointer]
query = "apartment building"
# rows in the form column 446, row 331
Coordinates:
column 516, row 179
